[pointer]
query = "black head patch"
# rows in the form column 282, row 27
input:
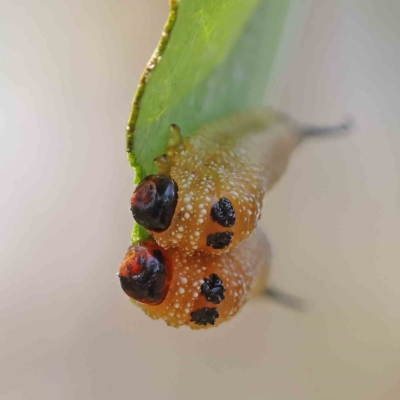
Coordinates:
column 219, row 240
column 204, row 316
column 213, row 289
column 153, row 202
column 145, row 274
column 223, row 213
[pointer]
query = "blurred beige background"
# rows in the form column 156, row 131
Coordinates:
column 69, row 71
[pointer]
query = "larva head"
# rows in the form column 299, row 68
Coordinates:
column 154, row 201
column 146, row 273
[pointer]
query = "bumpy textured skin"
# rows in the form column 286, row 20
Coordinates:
column 242, row 270
column 239, row 159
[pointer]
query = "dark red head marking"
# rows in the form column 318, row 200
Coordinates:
column 145, row 274
column 153, row 202
column 213, row 289
column 219, row 240
column 223, row 212
column 204, row 316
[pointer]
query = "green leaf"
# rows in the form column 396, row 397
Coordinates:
column 214, row 59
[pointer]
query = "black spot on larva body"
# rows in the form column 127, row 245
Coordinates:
column 219, row 240
column 223, row 213
column 204, row 316
column 213, row 289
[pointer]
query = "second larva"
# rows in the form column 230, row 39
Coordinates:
column 201, row 290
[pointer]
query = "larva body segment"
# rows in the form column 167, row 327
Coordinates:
column 222, row 174
column 206, row 290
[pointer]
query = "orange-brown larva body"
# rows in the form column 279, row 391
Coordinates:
column 232, row 162
column 236, row 273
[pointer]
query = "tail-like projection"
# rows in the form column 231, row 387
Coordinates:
column 288, row 300
column 328, row 130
